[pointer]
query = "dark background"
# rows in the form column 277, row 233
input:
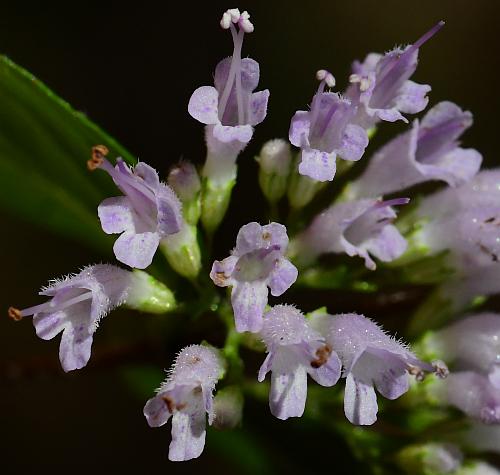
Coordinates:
column 132, row 70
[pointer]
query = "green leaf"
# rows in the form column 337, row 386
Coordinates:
column 44, row 147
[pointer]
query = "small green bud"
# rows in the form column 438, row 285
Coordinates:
column 301, row 188
column 228, row 408
column 215, row 201
column 184, row 180
column 274, row 161
column 430, row 459
column 183, row 251
column 149, row 295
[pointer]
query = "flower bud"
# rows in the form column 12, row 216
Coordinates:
column 302, row 189
column 477, row 467
column 228, row 408
column 215, row 201
column 183, row 251
column 149, row 295
column 481, row 437
column 219, row 173
column 430, row 459
column 274, row 161
column 184, row 180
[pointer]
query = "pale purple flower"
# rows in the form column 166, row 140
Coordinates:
column 473, row 394
column 326, row 131
column 462, row 288
column 472, row 236
column 184, row 180
column 464, row 221
column 477, row 467
column 371, row 359
column 231, row 107
column 256, row 263
column 358, row 228
column 381, row 86
column 149, row 211
column 483, row 191
column 187, row 396
column 482, row 437
column 76, row 305
column 429, row 151
column 471, row 343
column 294, row 350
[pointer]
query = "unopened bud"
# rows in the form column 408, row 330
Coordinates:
column 228, row 408
column 149, row 295
column 430, row 459
column 274, row 161
column 185, row 181
column 302, row 189
column 215, row 201
column 183, row 251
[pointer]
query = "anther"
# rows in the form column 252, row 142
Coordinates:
column 354, row 78
column 15, row 314
column 225, row 21
column 322, row 355
column 99, row 152
column 417, row 372
column 440, row 369
column 324, row 75
column 364, row 82
column 245, row 24
column 235, row 14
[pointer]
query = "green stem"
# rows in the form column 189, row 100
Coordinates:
column 231, row 345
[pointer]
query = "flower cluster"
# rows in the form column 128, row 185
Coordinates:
column 450, row 239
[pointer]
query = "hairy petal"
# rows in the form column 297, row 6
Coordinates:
column 354, row 142
column 360, row 402
column 318, row 165
column 258, row 107
column 282, row 277
column 288, row 394
column 188, row 435
column 116, row 215
column 75, row 347
column 136, row 250
column 156, row 412
column 249, row 299
column 203, row 105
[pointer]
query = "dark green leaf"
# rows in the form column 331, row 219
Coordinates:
column 44, row 147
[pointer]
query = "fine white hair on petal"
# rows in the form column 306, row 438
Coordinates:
column 196, row 365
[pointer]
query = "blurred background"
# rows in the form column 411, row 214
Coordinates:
column 132, row 71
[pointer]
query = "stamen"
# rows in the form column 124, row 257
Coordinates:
column 234, row 68
column 245, row 23
column 393, row 202
column 15, row 314
column 325, row 78
column 229, row 19
column 48, row 306
column 354, row 78
column 398, row 61
column 427, row 36
column 98, row 154
column 440, row 369
column 417, row 372
column 126, row 182
column 324, row 75
column 234, row 14
column 239, row 96
column 364, row 82
column 225, row 21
